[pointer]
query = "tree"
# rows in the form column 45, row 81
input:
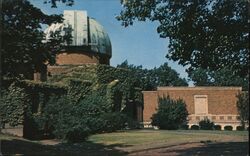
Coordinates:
column 171, row 114
column 150, row 79
column 209, row 34
column 166, row 76
column 221, row 77
column 23, row 48
column 54, row 2
column 243, row 107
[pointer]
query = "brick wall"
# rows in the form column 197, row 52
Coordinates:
column 150, row 104
column 76, row 58
column 221, row 100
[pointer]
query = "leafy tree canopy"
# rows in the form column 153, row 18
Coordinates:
column 210, row 34
column 23, row 49
column 150, row 79
column 54, row 2
column 221, row 77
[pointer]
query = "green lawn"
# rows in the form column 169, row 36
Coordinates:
column 136, row 142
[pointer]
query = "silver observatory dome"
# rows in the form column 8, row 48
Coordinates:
column 87, row 34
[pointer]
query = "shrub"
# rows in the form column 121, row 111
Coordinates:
column 217, row 127
column 171, row 114
column 184, row 127
column 76, row 121
column 228, row 128
column 206, row 124
column 195, row 127
column 78, row 133
column 62, row 118
column 113, row 121
column 240, row 128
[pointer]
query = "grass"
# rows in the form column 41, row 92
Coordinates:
column 137, row 142
column 143, row 139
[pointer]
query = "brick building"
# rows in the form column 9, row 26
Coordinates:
column 216, row 103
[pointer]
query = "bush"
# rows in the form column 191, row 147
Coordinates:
column 228, row 128
column 114, row 121
column 206, row 124
column 217, row 127
column 184, row 127
column 195, row 127
column 64, row 121
column 171, row 114
column 77, row 133
column 74, row 122
column 240, row 128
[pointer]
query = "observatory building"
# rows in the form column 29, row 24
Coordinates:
column 88, row 42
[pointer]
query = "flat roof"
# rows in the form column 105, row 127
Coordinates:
column 201, row 88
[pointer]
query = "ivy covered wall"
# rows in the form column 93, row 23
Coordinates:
column 25, row 102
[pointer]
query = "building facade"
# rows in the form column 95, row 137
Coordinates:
column 215, row 103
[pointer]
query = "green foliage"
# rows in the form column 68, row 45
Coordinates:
column 23, row 50
column 23, row 103
column 243, row 107
column 217, row 127
column 54, row 2
column 184, row 127
column 120, row 87
column 171, row 114
column 228, row 128
column 214, row 30
column 206, row 124
column 150, row 79
column 13, row 103
column 195, row 127
column 220, row 77
column 75, row 121
column 75, row 105
column 114, row 121
column 64, row 119
column 78, row 89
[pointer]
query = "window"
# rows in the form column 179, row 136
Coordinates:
column 200, row 104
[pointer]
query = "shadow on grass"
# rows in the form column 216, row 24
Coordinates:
column 23, row 147
column 208, row 149
column 216, row 149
